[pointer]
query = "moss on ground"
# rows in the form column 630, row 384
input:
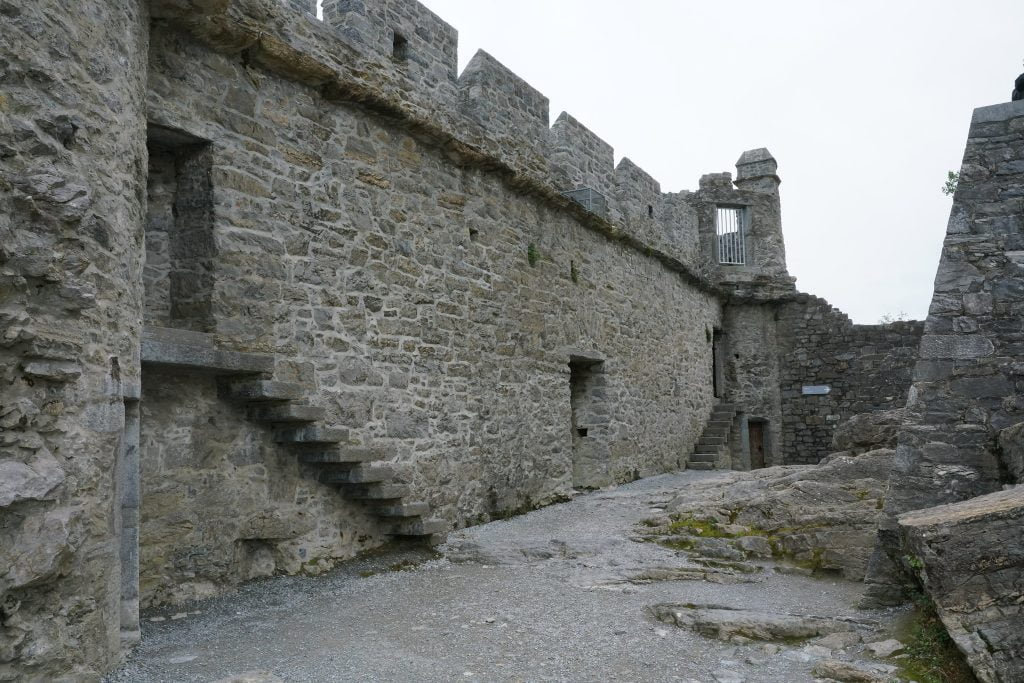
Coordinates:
column 930, row 656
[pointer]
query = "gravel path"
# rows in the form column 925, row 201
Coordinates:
column 541, row 597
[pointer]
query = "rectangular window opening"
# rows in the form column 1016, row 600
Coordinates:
column 400, row 47
column 730, row 231
column 179, row 236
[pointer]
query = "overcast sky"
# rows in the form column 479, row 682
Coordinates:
column 864, row 104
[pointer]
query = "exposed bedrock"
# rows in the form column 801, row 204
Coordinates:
column 819, row 517
column 969, row 557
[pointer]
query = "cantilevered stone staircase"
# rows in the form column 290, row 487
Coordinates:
column 715, row 440
column 357, row 470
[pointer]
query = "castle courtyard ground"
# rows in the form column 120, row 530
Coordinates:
column 560, row 593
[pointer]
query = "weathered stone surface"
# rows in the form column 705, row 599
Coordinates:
column 868, row 431
column 219, row 503
column 822, row 517
column 969, row 556
column 837, row 641
column 1011, row 452
column 40, row 549
column 33, row 480
column 884, row 648
column 737, row 624
column 867, row 369
column 198, row 352
column 854, row 672
column 72, row 145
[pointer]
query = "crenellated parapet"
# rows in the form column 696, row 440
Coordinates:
column 511, row 114
column 400, row 59
column 419, row 46
column 637, row 193
column 579, row 158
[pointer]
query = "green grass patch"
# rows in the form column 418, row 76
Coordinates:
column 931, row 655
column 698, row 527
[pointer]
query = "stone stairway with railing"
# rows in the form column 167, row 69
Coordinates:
column 359, row 471
column 712, row 447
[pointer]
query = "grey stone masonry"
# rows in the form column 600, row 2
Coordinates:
column 968, row 383
column 865, row 368
column 72, row 188
column 756, row 192
column 512, row 115
column 250, row 257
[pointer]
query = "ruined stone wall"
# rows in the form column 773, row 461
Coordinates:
column 434, row 307
column 866, row 368
column 968, row 380
column 72, row 159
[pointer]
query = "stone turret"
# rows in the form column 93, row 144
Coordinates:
column 756, row 171
column 741, row 225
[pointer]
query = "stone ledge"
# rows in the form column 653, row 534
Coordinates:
column 995, row 113
column 197, row 352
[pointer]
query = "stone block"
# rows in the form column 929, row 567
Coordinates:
column 955, row 347
column 971, row 559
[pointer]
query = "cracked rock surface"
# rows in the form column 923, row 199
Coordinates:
column 563, row 593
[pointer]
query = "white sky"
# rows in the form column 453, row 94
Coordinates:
column 865, row 104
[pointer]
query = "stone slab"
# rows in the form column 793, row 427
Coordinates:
column 970, row 558
column 198, row 352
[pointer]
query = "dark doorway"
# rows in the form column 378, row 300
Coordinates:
column 756, row 431
column 589, row 422
column 717, row 364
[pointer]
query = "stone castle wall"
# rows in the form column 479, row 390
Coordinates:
column 393, row 235
column 72, row 150
column 866, row 368
column 435, row 309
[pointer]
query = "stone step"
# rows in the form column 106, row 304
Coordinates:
column 700, row 465
column 718, row 424
column 258, row 390
column 704, row 457
column 709, row 450
column 389, row 509
column 342, row 455
column 199, row 352
column 418, row 527
column 286, row 412
column 712, row 441
column 721, row 417
column 313, row 434
column 377, row 491
column 361, row 474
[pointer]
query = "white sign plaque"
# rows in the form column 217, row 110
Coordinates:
column 816, row 389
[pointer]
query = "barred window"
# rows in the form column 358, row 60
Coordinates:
column 731, row 231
